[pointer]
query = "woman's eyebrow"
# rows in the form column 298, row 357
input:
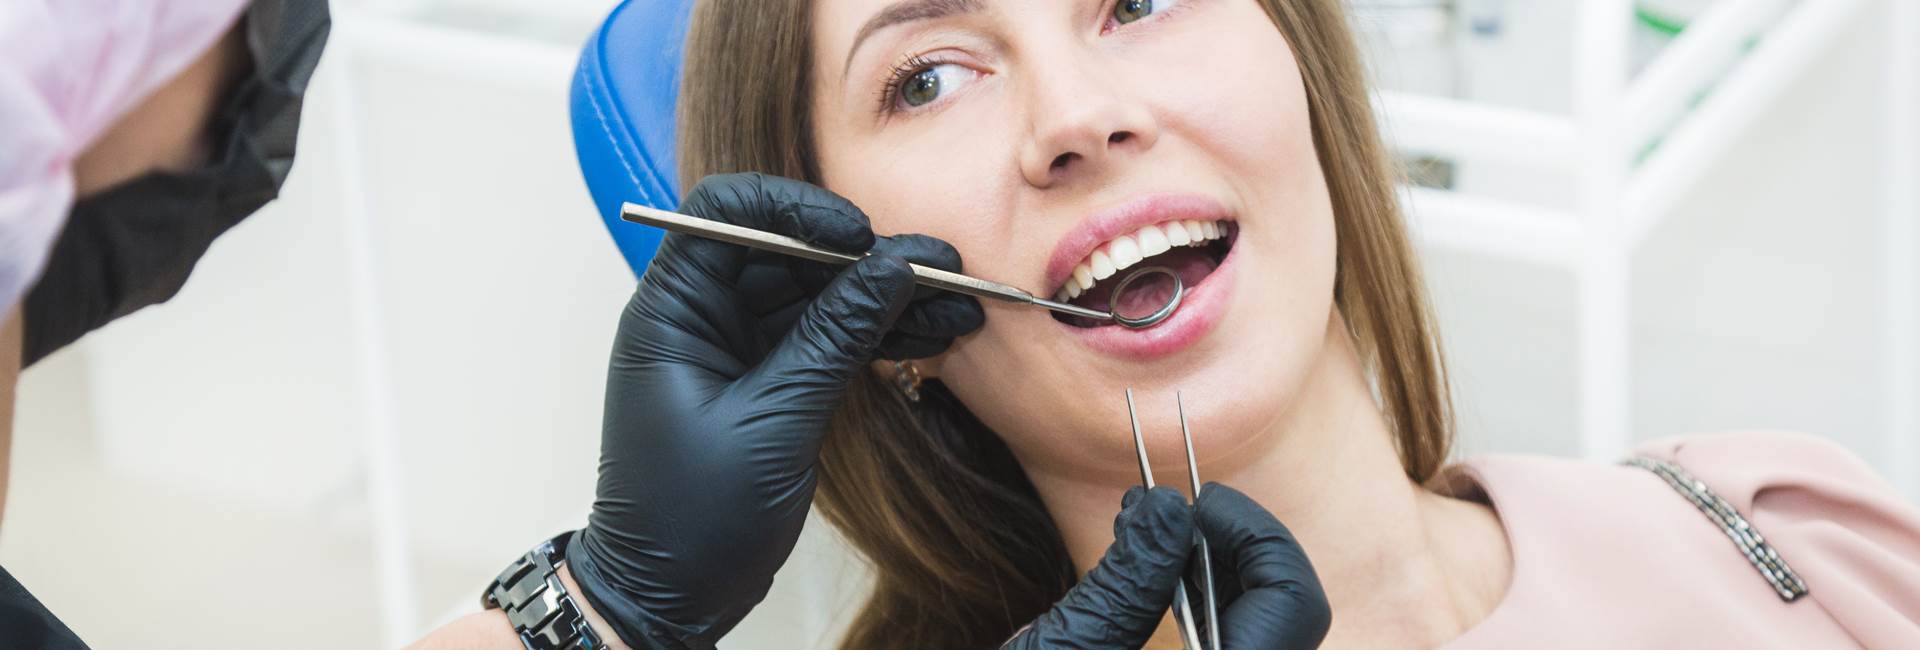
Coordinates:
column 906, row 11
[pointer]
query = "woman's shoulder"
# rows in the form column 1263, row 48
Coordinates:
column 1853, row 538
column 1774, row 469
column 1835, row 526
column 1742, row 465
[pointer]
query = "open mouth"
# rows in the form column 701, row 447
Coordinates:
column 1191, row 248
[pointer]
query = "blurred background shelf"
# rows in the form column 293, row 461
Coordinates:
column 1629, row 233
column 1638, row 124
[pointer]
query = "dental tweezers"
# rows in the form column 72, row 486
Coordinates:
column 1182, row 607
column 925, row 276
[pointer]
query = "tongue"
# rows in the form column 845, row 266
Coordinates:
column 1150, row 293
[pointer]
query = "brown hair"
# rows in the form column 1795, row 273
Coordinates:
column 962, row 549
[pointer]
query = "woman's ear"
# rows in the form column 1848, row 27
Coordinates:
column 928, row 368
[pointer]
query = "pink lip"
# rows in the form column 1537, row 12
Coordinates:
column 1125, row 218
column 1200, row 310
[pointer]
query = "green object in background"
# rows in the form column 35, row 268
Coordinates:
column 1658, row 22
column 1668, row 17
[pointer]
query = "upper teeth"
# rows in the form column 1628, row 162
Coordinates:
column 1127, row 250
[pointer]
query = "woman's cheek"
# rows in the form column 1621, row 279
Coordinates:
column 1002, row 397
column 981, row 368
column 980, row 358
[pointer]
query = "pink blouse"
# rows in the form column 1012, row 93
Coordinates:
column 1616, row 556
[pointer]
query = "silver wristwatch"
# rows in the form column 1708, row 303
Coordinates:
column 538, row 605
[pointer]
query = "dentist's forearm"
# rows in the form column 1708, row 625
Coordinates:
column 489, row 630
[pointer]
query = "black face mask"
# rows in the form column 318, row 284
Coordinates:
column 134, row 244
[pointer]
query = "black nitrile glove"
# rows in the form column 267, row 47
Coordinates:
column 1268, row 594
column 1123, row 599
column 725, row 371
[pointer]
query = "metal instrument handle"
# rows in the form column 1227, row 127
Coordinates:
column 926, row 276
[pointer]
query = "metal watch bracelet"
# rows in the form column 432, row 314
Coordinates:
column 537, row 604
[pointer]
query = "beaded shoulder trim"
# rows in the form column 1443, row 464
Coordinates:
column 1785, row 582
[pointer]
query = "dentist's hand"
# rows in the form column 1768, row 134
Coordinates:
column 726, row 369
column 1123, row 599
column 1267, row 591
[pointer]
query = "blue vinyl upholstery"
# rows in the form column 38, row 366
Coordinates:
column 623, row 98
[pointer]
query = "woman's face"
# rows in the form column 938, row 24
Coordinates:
column 1049, row 140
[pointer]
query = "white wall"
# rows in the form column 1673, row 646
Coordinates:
column 209, row 453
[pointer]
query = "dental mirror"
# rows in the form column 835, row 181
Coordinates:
column 1137, row 320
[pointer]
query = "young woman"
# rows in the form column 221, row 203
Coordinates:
column 1053, row 145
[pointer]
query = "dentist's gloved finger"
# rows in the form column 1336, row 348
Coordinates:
column 942, row 314
column 1280, row 603
column 1123, row 599
column 900, row 346
column 778, row 205
column 782, row 206
column 933, row 314
column 924, row 250
column 835, row 336
column 946, row 315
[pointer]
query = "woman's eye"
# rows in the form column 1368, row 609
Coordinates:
column 1127, row 11
column 927, row 85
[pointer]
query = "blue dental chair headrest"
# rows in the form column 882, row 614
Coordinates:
column 623, row 96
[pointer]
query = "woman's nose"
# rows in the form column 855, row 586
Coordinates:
column 1084, row 118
